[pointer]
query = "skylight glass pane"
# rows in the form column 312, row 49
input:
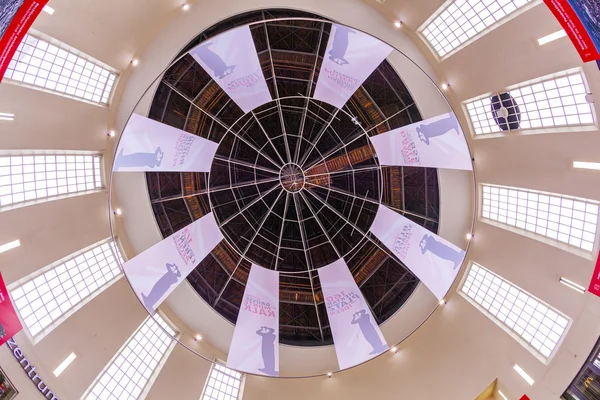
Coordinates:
column 45, row 299
column 222, row 384
column 57, row 69
column 455, row 23
column 136, row 364
column 526, row 316
column 30, row 177
column 566, row 219
column 553, row 102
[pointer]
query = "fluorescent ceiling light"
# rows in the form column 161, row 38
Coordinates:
column 502, row 395
column 523, row 374
column 586, row 165
column 10, row 245
column 63, row 365
column 7, row 117
column 552, row 37
column 572, row 285
column 48, row 9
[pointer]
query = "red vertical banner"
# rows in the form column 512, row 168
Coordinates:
column 524, row 397
column 595, row 282
column 16, row 16
column 9, row 321
column 579, row 19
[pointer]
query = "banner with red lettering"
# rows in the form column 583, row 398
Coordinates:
column 148, row 145
column 16, row 17
column 156, row 272
column 350, row 58
column 432, row 259
column 356, row 334
column 255, row 344
column 231, row 60
column 436, row 142
column 595, row 281
column 9, row 320
column 581, row 20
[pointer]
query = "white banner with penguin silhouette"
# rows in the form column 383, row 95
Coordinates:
column 148, row 145
column 432, row 259
column 255, row 344
column 356, row 335
column 436, row 142
column 350, row 58
column 156, row 272
column 231, row 60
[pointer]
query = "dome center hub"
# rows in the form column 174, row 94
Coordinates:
column 291, row 177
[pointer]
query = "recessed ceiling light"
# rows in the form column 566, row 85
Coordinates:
column 552, row 37
column 394, row 350
column 586, row 165
column 118, row 211
column 185, row 7
column 572, row 285
column 111, row 133
column 10, row 245
column 442, row 302
column 63, row 365
column 397, row 24
column 524, row 375
column 469, row 236
column 135, row 62
column 445, row 86
column 48, row 9
column 7, row 117
column 502, row 395
column 198, row 338
column 329, row 374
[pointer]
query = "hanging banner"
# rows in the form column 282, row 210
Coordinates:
column 231, row 60
column 350, row 58
column 356, row 335
column 595, row 281
column 255, row 344
column 436, row 142
column 9, row 320
column 148, row 145
column 434, row 260
column 16, row 16
column 156, row 272
column 581, row 20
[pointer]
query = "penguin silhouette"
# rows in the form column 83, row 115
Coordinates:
column 267, row 349
column 369, row 332
column 437, row 128
column 149, row 160
column 214, row 61
column 429, row 243
column 170, row 278
column 340, row 45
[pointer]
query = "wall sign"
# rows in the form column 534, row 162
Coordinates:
column 595, row 281
column 26, row 365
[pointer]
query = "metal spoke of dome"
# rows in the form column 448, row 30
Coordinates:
column 281, row 119
column 245, row 164
column 250, row 242
column 285, row 209
column 268, row 139
column 345, row 171
column 247, row 206
column 388, row 118
column 320, row 224
column 337, row 148
column 319, row 135
column 308, row 263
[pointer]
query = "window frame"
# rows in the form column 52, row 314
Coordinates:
column 222, row 363
column 440, row 10
column 517, row 337
column 63, row 46
column 590, row 255
column 154, row 375
column 63, row 317
column 541, row 130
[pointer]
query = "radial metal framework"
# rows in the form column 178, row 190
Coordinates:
column 295, row 184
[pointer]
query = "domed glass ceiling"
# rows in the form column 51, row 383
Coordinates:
column 295, row 184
